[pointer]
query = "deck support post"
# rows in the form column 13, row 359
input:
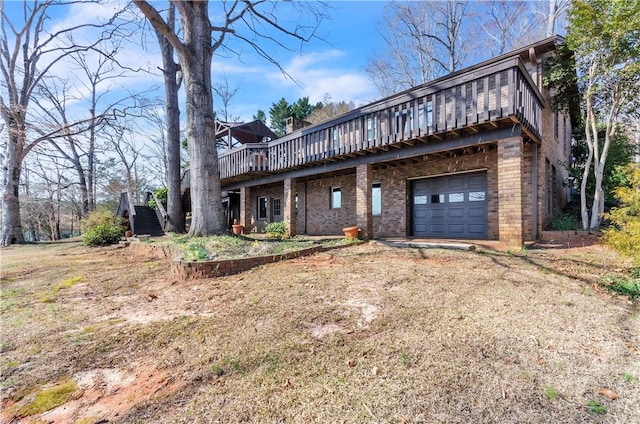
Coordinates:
column 364, row 176
column 510, row 195
column 290, row 206
column 245, row 208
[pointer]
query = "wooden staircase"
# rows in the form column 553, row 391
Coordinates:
column 146, row 222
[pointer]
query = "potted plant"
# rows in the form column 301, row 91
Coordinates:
column 351, row 232
column 237, row 228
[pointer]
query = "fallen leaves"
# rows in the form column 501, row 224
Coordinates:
column 608, row 393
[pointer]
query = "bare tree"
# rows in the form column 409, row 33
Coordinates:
column 172, row 81
column 329, row 110
column 247, row 21
column 43, row 208
column 95, row 72
column 225, row 93
column 122, row 138
column 156, row 153
column 556, row 10
column 508, row 23
column 23, row 64
column 423, row 40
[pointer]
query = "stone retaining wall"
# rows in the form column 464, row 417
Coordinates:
column 218, row 268
column 157, row 251
column 215, row 268
column 571, row 238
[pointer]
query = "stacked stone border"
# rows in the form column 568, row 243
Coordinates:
column 571, row 238
column 186, row 270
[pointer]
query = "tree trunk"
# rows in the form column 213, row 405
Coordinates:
column 174, row 193
column 584, row 212
column 195, row 60
column 11, row 223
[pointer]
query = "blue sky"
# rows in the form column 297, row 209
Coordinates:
column 330, row 67
column 333, row 66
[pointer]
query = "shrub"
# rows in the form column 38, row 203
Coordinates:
column 195, row 251
column 563, row 222
column 103, row 234
column 624, row 233
column 277, row 230
column 161, row 194
column 102, row 228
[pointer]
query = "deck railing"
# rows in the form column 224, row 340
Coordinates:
column 489, row 94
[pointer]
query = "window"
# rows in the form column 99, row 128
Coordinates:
column 336, row 198
column 376, row 199
column 420, row 200
column 456, row 197
column 262, row 207
column 275, row 207
column 336, row 139
column 476, row 196
column 430, row 113
column 437, row 198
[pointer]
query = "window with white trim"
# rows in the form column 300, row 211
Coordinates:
column 336, row 197
column 276, row 209
column 376, row 199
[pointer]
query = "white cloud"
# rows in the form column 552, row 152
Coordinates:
column 326, row 73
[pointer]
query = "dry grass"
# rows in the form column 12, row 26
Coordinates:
column 362, row 334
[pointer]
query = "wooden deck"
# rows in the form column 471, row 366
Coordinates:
column 462, row 104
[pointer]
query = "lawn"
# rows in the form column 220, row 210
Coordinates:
column 366, row 333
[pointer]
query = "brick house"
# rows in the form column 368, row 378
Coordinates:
column 476, row 154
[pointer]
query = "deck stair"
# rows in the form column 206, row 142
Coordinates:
column 146, row 222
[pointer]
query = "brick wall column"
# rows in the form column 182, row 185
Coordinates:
column 290, row 217
column 363, row 200
column 510, row 196
column 245, row 208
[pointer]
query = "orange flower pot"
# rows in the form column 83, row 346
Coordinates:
column 351, row 232
column 237, row 229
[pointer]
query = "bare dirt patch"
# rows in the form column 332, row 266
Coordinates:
column 362, row 334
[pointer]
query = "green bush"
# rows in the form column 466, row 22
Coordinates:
column 161, row 194
column 102, row 234
column 277, row 230
column 564, row 222
column 102, row 228
column 195, row 251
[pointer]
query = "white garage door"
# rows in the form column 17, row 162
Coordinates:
column 454, row 206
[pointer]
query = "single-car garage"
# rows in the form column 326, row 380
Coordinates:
column 452, row 206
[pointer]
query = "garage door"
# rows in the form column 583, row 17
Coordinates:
column 454, row 206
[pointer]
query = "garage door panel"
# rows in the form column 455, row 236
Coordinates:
column 437, row 229
column 477, row 229
column 456, row 229
column 437, row 213
column 477, row 181
column 456, row 213
column 451, row 206
column 477, row 212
